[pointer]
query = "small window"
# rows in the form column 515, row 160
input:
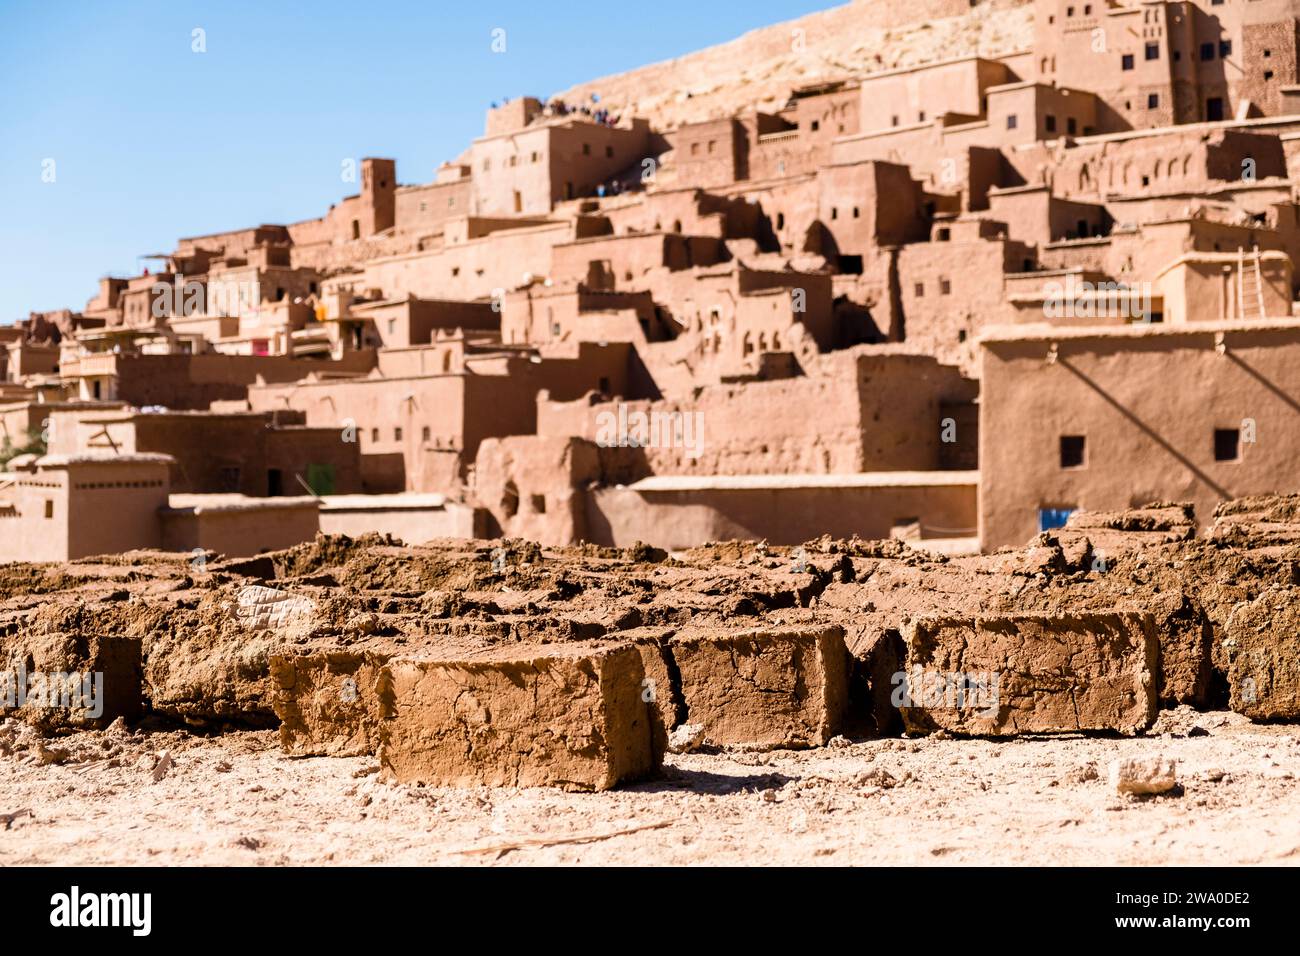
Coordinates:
column 1049, row 123
column 1072, row 451
column 855, row 212
column 1052, row 518
column 945, row 234
column 374, row 434
column 1126, row 61
column 1227, row 444
column 1268, row 75
column 1153, row 101
column 920, row 117
column 609, row 152
column 425, row 433
column 816, row 125
column 835, row 213
column 1071, row 126
column 920, row 290
column 586, row 149
column 1225, row 48
column 1011, row 121
column 894, row 122
column 49, row 508
column 1153, row 51
column 945, row 287
column 397, row 434
column 1207, row 51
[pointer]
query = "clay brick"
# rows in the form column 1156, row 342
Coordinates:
column 783, row 688
column 328, row 702
column 1030, row 674
column 1263, row 648
column 553, row 715
column 117, row 659
column 660, row 686
column 1186, row 642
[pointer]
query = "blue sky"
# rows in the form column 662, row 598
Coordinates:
column 151, row 141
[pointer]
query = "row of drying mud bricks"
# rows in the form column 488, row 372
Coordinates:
column 575, row 715
column 586, row 716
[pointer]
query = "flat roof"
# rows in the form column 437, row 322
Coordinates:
column 198, row 504
column 1043, row 332
column 413, row 501
column 63, row 461
column 868, row 479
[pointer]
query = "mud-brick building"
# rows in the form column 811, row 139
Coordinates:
column 62, row 507
column 1106, row 419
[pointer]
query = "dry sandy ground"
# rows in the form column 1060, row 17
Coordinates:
column 235, row 799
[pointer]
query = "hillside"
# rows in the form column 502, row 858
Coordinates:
column 763, row 66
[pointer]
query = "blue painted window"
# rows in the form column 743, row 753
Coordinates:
column 1049, row 518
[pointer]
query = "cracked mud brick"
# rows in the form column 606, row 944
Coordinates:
column 783, row 688
column 116, row 659
column 555, row 715
column 1186, row 646
column 1263, row 647
column 1002, row 676
column 328, row 702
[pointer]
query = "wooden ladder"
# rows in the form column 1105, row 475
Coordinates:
column 1250, row 306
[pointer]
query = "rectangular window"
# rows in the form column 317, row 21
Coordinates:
column 1227, row 444
column 1153, row 101
column 1071, row 126
column 1049, row 123
column 1072, row 451
column 1011, row 121
column 49, row 508
column 397, row 434
column 1225, row 48
column 425, row 433
column 1153, row 51
column 1207, row 51
column 945, row 287
column 1126, row 61
column 1050, row 518
column 920, row 290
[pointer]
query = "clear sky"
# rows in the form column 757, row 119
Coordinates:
column 151, row 141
